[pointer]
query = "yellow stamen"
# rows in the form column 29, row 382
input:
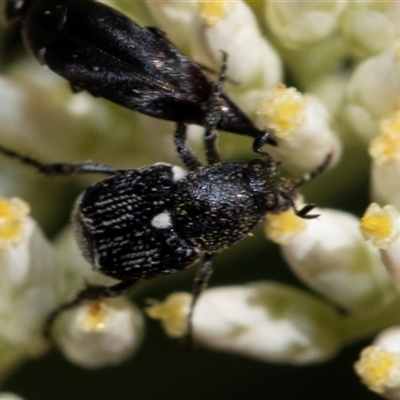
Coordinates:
column 376, row 369
column 283, row 111
column 386, row 146
column 95, row 318
column 12, row 214
column 282, row 228
column 173, row 313
column 212, row 11
column 379, row 225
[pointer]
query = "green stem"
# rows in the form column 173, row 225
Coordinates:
column 356, row 327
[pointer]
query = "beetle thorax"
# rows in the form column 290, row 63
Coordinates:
column 220, row 205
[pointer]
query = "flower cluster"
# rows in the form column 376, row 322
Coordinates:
column 36, row 277
column 325, row 78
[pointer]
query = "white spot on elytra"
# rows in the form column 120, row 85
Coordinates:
column 178, row 173
column 161, row 221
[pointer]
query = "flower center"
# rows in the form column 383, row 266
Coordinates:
column 386, row 146
column 283, row 111
column 12, row 213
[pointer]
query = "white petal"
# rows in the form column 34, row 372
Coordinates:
column 266, row 321
column 98, row 334
column 331, row 256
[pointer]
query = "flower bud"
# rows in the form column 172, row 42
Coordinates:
column 100, row 333
column 385, row 153
column 300, row 24
column 330, row 256
column 370, row 26
column 379, row 364
column 301, row 126
column 382, row 227
column 27, row 294
column 373, row 92
column 252, row 62
column 265, row 321
column 26, row 277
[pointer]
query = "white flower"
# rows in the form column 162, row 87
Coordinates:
column 252, row 62
column 34, row 282
column 284, row 227
column 301, row 124
column 373, row 92
column 385, row 153
column 232, row 27
column 26, row 277
column 299, row 24
column 382, row 227
column 84, row 332
column 283, row 111
column 331, row 90
column 267, row 321
column 379, row 364
column 369, row 26
column 100, row 333
column 330, row 256
column 321, row 44
column 386, row 147
column 175, row 18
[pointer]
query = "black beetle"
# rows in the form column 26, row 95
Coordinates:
column 100, row 50
column 140, row 223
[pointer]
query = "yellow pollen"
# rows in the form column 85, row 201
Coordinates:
column 12, row 214
column 283, row 111
column 173, row 313
column 10, row 229
column 375, row 368
column 386, row 146
column 212, row 11
column 282, row 228
column 4, row 208
column 378, row 225
column 95, row 318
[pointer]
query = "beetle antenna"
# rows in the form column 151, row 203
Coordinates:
column 313, row 174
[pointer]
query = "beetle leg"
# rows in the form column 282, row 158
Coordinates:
column 313, row 174
column 200, row 283
column 91, row 292
column 188, row 158
column 214, row 115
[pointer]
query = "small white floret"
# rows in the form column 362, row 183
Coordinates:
column 379, row 364
column 100, row 333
